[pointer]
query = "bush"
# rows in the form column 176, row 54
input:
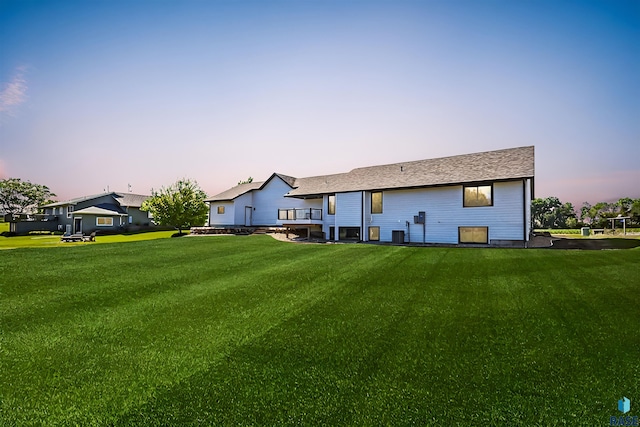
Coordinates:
column 559, row 231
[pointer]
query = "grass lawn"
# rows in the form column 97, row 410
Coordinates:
column 50, row 241
column 251, row 331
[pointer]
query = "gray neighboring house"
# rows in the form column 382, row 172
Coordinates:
column 110, row 212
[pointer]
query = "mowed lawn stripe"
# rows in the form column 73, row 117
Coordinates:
column 396, row 347
column 87, row 344
column 230, row 330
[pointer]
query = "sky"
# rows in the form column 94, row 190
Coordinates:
column 119, row 95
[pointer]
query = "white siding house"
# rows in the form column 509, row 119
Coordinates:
column 256, row 204
column 483, row 198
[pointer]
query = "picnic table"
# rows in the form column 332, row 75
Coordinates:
column 78, row 237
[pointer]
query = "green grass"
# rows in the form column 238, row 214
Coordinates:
column 50, row 241
column 252, row 331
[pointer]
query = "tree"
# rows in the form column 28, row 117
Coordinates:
column 247, row 181
column 634, row 211
column 552, row 213
column 624, row 206
column 585, row 213
column 180, row 206
column 22, row 197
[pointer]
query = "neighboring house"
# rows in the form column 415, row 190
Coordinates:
column 111, row 212
column 481, row 198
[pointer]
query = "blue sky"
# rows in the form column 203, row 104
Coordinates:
column 111, row 93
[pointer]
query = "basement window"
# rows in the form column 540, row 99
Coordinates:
column 374, row 234
column 478, row 235
column 349, row 233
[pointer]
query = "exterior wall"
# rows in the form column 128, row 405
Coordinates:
column 25, row 227
column 89, row 224
column 348, row 211
column 264, row 203
column 227, row 218
column 138, row 217
column 445, row 213
column 60, row 213
column 239, row 207
column 328, row 221
column 271, row 198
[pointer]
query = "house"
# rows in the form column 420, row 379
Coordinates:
column 482, row 198
column 111, row 211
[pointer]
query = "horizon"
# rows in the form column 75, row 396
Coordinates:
column 97, row 95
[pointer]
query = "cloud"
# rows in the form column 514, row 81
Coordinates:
column 14, row 92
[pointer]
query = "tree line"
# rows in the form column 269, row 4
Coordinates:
column 552, row 213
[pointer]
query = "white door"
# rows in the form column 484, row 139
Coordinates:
column 247, row 216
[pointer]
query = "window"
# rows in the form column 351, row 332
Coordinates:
column 220, row 210
column 69, row 211
column 104, row 221
column 479, row 195
column 376, row 202
column 473, row 235
column 374, row 234
column 331, row 210
column 348, row 233
column 284, row 214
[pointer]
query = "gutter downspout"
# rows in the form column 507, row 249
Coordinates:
column 524, row 211
column 362, row 219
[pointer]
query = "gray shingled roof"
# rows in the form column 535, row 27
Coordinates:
column 511, row 163
column 291, row 181
column 106, row 209
column 130, row 199
column 241, row 189
column 497, row 165
column 236, row 191
column 124, row 199
column 74, row 201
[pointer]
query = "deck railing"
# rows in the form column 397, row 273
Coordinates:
column 307, row 214
column 29, row 217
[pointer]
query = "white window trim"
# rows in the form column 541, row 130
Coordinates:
column 110, row 218
column 69, row 210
